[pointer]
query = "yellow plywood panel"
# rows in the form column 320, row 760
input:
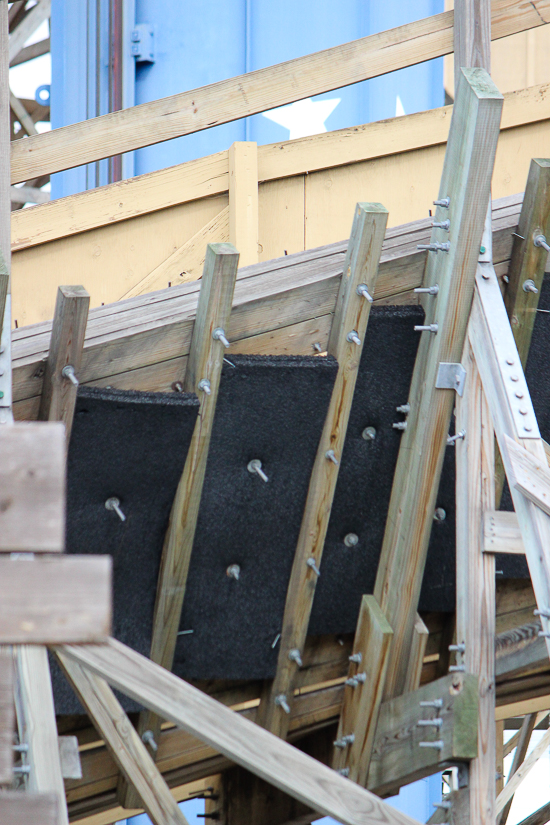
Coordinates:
column 281, row 217
column 107, row 261
column 515, row 149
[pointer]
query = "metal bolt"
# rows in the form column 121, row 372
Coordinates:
column 364, row 292
column 233, row 571
column 482, row 251
column 434, row 247
column 275, row 640
column 540, row 240
column 113, row 503
column 439, row 514
column 444, row 202
column 369, row 433
column 356, row 657
column 148, row 738
column 219, row 335
column 21, row 770
column 431, row 703
column 429, row 290
column 457, row 669
column 404, row 408
column 177, row 386
column 255, row 466
column 529, row 286
column 343, row 771
column 446, row 805
column 22, row 748
column 426, row 328
column 204, row 386
column 400, row 425
column 351, row 540
column 353, row 338
column 331, row 457
column 344, row 741
column 227, row 361
column 542, row 633
column 460, row 648
column 452, row 438
column 317, row 347
column 439, row 744
column 361, row 678
column 294, row 656
column 68, row 372
column 185, row 632
column 544, row 612
column 442, row 224
column 281, row 702
column 429, row 723
column 311, row 563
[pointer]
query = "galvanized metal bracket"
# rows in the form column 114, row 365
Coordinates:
column 143, row 43
column 450, row 377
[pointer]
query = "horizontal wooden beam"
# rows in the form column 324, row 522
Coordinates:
column 258, row 91
column 240, row 740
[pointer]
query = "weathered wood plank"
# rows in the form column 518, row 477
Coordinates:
column 529, row 474
column 243, row 200
column 416, row 655
column 247, row 744
column 68, row 332
column 27, row 27
column 124, row 743
column 257, row 91
column 55, row 599
column 362, row 698
column 345, row 345
column 472, row 35
column 501, row 533
column 32, row 488
column 397, row 756
column 21, row 808
column 466, row 180
column 37, row 725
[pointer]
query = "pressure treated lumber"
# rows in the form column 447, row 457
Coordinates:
column 472, row 35
column 21, row 808
column 240, row 740
column 362, row 699
column 6, row 717
column 54, row 599
column 529, row 475
column 124, row 743
column 416, row 655
column 466, row 180
column 32, row 488
column 501, row 533
column 475, row 581
column 256, row 92
column 68, row 331
column 527, row 727
column 397, row 757
column 37, row 726
column 243, row 200
column 350, row 319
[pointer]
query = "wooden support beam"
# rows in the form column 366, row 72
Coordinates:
column 529, row 475
column 528, row 764
column 5, row 205
column 520, row 651
column 242, row 741
column 257, row 91
column 350, row 319
column 501, row 533
column 398, row 758
column 527, row 727
column 28, row 194
column 68, row 332
column 22, row 808
column 243, row 200
column 37, row 725
column 28, row 26
column 416, row 656
column 32, row 51
column 54, row 599
column 124, row 743
column 362, row 698
column 6, row 717
column 466, row 180
column 475, row 580
column 472, row 35
column 22, row 115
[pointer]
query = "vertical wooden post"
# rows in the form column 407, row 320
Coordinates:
column 475, row 598
column 243, row 200
column 472, row 36
column 416, row 656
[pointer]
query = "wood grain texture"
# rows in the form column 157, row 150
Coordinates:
column 397, row 758
column 416, row 655
column 55, row 599
column 68, row 332
column 529, row 474
column 240, row 740
column 21, row 808
column 362, row 701
column 32, row 488
column 257, row 91
column 466, row 180
column 27, row 27
column 243, row 200
column 501, row 533
column 6, row 717
column 37, row 726
column 472, row 35
column 475, row 579
column 351, row 315
column 124, row 743
column 527, row 727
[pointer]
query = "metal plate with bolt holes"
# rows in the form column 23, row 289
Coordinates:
column 450, row 377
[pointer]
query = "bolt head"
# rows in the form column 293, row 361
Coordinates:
column 351, row 540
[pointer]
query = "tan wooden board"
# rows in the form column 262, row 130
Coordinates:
column 501, row 533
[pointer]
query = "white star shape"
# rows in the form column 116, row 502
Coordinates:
column 306, row 117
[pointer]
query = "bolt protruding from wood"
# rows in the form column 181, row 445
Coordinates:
column 351, row 682
column 544, row 634
column 429, row 723
column 317, row 347
column 457, row 669
column 344, row 741
column 426, row 328
column 351, row 540
column 280, row 701
column 442, row 225
column 343, row 771
column 452, row 438
column 438, row 744
column 541, row 241
column 68, row 372
column 364, row 292
column 331, row 456
column 219, row 335
column 444, row 804
column 434, row 247
column 460, row 648
column 255, row 466
column 353, row 338
column 439, row 514
column 369, row 433
column 233, row 571
column 113, row 503
column 311, row 563
column 148, row 738
column 204, row 386
column 543, row 611
column 400, row 425
column 22, row 770
column 356, row 658
column 404, row 408
column 529, row 286
column 428, row 290
column 294, row 656
column 444, row 202
column 431, row 703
